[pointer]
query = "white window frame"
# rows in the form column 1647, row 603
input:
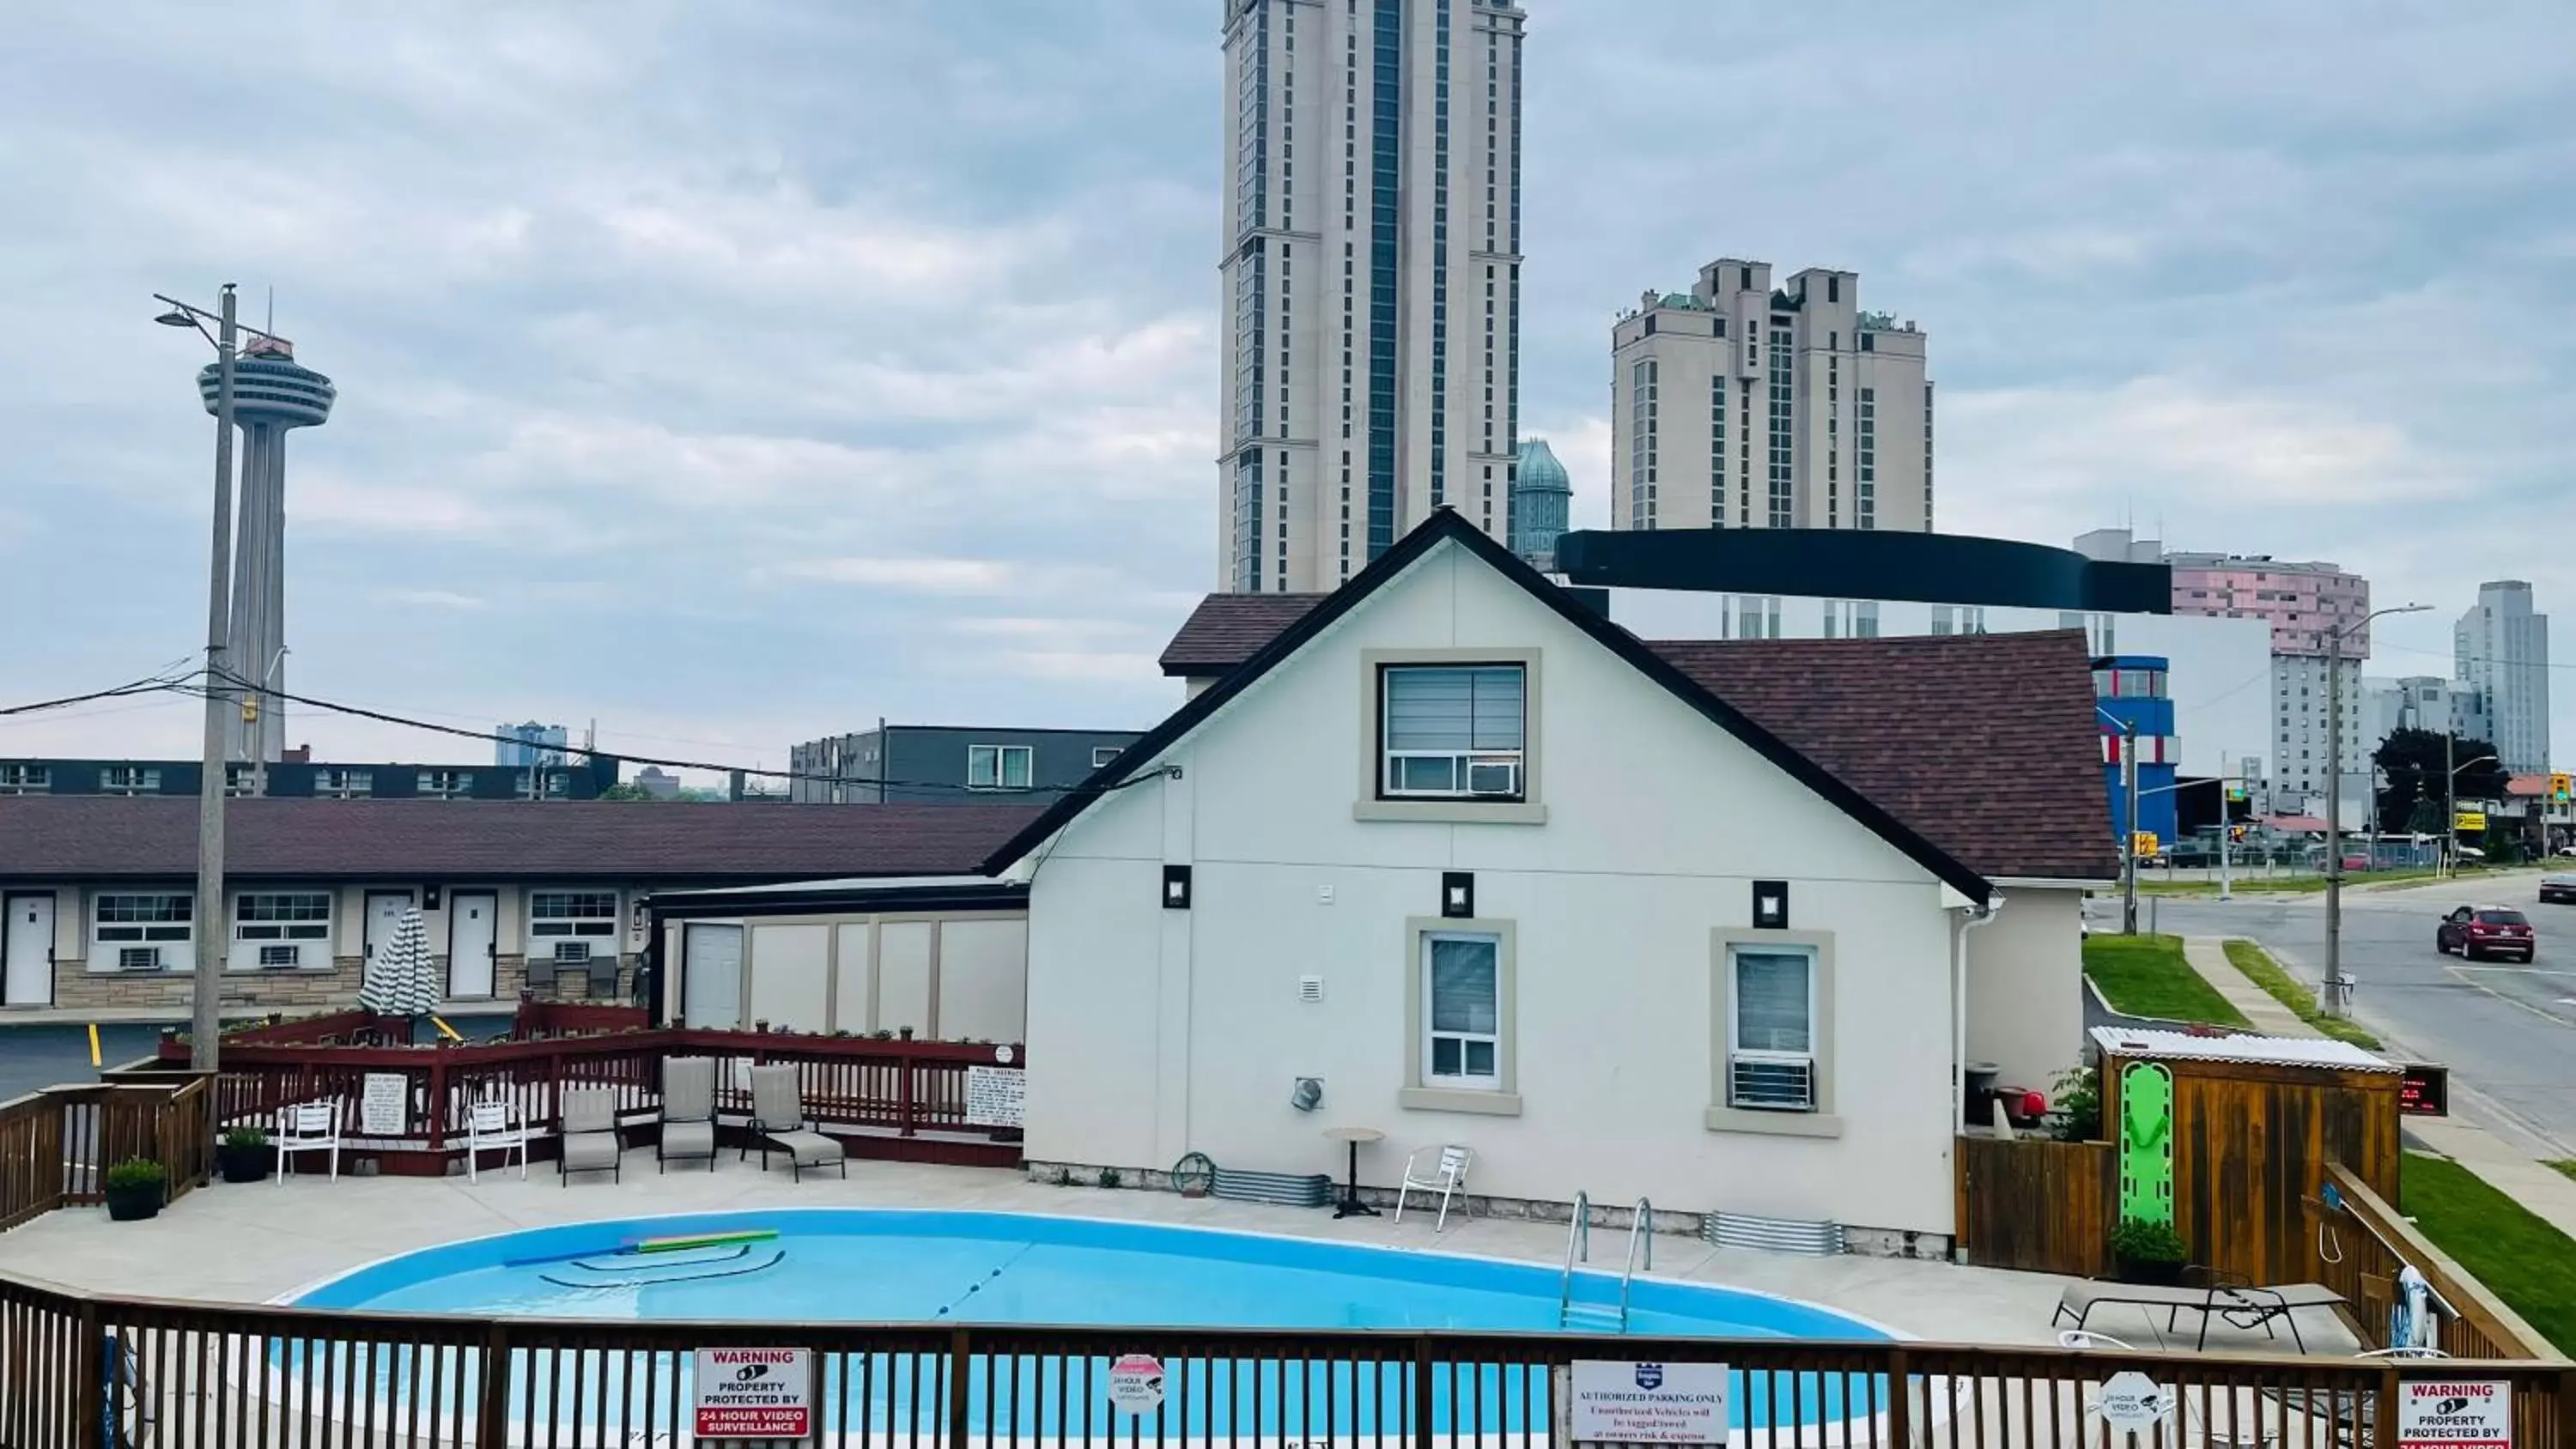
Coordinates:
column 175, row 940
column 1102, row 756
column 445, row 784
column 1738, row 1055
column 341, row 783
column 1432, row 1036
column 1467, row 761
column 26, row 779
column 997, row 759
column 559, row 913
column 261, row 920
column 129, row 780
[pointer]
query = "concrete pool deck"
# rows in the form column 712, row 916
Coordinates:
column 256, row 1242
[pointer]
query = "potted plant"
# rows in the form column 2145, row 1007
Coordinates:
column 2148, row 1252
column 244, row 1155
column 134, row 1189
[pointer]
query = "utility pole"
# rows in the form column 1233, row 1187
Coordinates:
column 2226, row 832
column 2332, row 1001
column 205, row 1019
column 2129, row 777
column 2450, row 804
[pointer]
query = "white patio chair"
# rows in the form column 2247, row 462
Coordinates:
column 495, row 1126
column 308, row 1127
column 1446, row 1176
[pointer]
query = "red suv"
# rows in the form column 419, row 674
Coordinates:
column 2479, row 931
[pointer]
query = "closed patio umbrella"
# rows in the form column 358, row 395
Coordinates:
column 417, row 980
column 387, row 984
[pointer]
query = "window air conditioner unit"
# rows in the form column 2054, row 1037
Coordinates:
column 1493, row 777
column 1774, row 1085
column 280, row 958
column 572, row 953
column 138, row 958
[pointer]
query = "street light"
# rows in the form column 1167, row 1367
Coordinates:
column 205, row 1017
column 2337, row 984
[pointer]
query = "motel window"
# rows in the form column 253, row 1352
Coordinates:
column 572, row 913
column 1452, row 731
column 998, row 767
column 1771, row 1042
column 142, row 931
column 129, row 780
column 1462, row 1010
column 283, row 930
column 25, row 779
column 337, row 784
column 446, row 784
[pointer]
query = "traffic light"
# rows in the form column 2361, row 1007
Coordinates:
column 2236, row 832
column 2562, row 788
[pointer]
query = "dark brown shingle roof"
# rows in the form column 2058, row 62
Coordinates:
column 1227, row 629
column 64, row 837
column 1983, row 744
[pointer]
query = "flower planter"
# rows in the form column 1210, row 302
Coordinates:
column 2154, row 1271
column 246, row 1164
column 133, row 1204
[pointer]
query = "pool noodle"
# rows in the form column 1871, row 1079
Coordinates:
column 650, row 1245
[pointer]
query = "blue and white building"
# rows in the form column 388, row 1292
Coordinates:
column 1542, row 499
column 1371, row 280
column 2129, row 690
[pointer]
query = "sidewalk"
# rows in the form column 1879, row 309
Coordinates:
column 2542, row 1189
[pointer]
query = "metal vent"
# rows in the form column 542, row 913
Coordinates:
column 572, row 953
column 1773, row 1235
column 1310, row 989
column 273, row 958
column 138, row 958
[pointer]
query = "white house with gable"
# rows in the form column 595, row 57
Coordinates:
column 1716, row 924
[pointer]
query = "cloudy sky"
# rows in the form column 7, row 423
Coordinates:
column 730, row 374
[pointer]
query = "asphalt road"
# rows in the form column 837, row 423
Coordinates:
column 55, row 1056
column 2507, row 1031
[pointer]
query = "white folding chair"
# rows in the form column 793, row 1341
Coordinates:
column 494, row 1126
column 1447, row 1176
column 308, row 1127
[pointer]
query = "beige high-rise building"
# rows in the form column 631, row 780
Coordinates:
column 1371, row 279
column 1734, row 405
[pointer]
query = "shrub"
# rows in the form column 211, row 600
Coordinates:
column 1109, row 1177
column 2077, row 1096
column 136, row 1172
column 245, row 1137
column 2140, row 1241
column 1064, row 1177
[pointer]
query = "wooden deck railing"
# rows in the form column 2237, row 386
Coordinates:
column 2365, row 1242
column 56, row 1145
column 89, row 1373
column 889, row 1098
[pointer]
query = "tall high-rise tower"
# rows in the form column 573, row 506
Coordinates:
column 1371, row 278
column 272, row 393
column 2503, row 651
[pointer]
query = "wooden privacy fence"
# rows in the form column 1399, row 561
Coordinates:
column 2036, row 1205
column 97, row 1373
column 883, row 1097
column 56, row 1145
column 2362, row 1242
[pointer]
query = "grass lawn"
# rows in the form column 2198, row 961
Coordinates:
column 2563, row 1166
column 2147, row 976
column 2293, row 993
column 2521, row 1259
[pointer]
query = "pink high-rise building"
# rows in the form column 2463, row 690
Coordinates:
column 2305, row 602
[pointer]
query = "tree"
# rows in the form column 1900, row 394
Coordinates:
column 625, row 790
column 2416, row 767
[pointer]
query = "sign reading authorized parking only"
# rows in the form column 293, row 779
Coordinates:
column 754, row 1393
column 2455, row 1414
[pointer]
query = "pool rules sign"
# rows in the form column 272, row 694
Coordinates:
column 753, row 1393
column 2455, row 1414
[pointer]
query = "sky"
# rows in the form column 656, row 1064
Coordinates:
column 726, row 376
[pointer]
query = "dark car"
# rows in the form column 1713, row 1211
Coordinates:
column 2480, row 931
column 2558, row 890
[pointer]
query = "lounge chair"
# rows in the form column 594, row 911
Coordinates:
column 307, row 1127
column 688, row 1111
column 590, row 1138
column 2241, row 1305
column 778, row 1120
column 1444, row 1177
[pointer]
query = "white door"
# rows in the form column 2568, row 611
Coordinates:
column 473, row 942
column 711, row 977
column 27, row 952
column 384, row 912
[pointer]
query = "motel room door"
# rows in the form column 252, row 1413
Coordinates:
column 27, row 952
column 473, row 943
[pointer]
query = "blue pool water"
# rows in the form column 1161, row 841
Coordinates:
column 868, row 1266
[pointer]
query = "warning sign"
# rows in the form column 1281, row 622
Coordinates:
column 754, row 1393
column 2455, row 1414
column 1136, row 1383
column 996, row 1097
column 1619, row 1402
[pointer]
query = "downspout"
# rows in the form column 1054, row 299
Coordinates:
column 1976, row 916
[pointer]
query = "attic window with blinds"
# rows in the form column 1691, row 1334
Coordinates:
column 1451, row 732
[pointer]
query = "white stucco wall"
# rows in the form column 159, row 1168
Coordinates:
column 2025, row 985
column 1156, row 1032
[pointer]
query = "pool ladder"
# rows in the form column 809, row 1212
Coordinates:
column 1578, row 1244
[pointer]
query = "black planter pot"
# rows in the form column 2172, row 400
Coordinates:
column 2150, row 1271
column 133, row 1204
column 246, row 1164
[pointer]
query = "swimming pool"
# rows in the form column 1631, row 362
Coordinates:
column 861, row 1266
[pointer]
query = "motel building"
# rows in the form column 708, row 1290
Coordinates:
column 1447, row 856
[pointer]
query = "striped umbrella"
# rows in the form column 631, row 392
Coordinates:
column 414, row 974
column 387, row 983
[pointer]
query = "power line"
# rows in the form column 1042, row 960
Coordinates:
column 149, row 684
column 387, row 717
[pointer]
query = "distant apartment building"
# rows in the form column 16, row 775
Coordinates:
column 2422, row 702
column 2313, row 610
column 2501, row 649
column 947, row 764
column 658, row 783
column 1738, row 405
column 531, row 744
column 1371, row 280
column 297, row 777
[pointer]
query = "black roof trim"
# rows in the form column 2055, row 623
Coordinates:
column 1447, row 525
column 960, row 896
